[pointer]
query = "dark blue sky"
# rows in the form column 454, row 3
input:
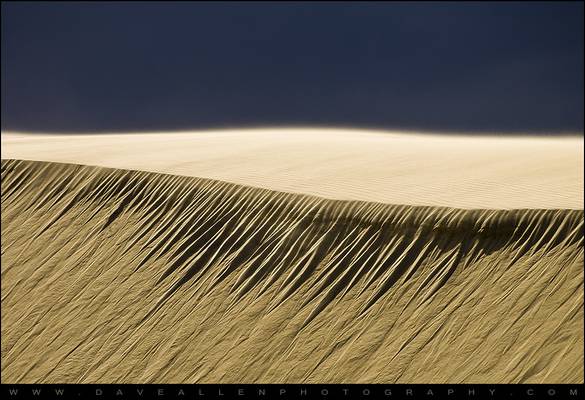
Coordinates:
column 150, row 66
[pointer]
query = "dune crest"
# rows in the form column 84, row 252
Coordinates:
column 490, row 172
column 112, row 275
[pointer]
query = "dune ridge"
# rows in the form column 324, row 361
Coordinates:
column 470, row 172
column 112, row 275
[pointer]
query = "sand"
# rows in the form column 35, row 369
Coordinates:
column 113, row 274
column 387, row 167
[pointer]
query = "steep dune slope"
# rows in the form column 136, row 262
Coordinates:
column 112, row 275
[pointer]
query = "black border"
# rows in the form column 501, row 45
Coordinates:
column 292, row 391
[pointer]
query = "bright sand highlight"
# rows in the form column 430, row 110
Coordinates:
column 386, row 167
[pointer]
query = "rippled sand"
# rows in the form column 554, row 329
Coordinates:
column 123, row 275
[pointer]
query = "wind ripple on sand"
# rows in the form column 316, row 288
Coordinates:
column 113, row 275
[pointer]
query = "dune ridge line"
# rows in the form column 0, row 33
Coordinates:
column 466, row 172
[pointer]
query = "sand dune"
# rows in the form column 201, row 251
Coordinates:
column 387, row 167
column 114, row 275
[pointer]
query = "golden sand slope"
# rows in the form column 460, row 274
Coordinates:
column 386, row 167
column 111, row 275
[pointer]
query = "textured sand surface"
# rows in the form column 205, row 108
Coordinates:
column 386, row 167
column 110, row 275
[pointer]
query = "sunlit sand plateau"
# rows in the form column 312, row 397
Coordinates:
column 388, row 167
column 292, row 256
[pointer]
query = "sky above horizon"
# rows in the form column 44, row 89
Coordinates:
column 131, row 66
